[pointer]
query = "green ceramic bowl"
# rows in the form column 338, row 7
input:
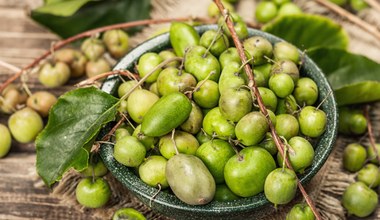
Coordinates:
column 251, row 207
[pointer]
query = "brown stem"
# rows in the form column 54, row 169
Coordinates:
column 350, row 17
column 255, row 92
column 112, row 131
column 91, row 80
column 89, row 33
column 374, row 4
column 370, row 133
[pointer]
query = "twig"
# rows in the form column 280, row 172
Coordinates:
column 350, row 17
column 256, row 93
column 370, row 133
column 89, row 33
column 9, row 66
column 91, row 80
column 374, row 4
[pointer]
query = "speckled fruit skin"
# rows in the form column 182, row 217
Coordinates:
column 242, row 208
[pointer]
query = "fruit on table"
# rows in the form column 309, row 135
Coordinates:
column 75, row 59
column 370, row 175
column 127, row 214
column 266, row 11
column 359, row 199
column 300, row 211
column 97, row 169
column 54, row 75
column 116, row 42
column 25, row 124
column 93, row 48
column 354, row 157
column 93, row 193
column 96, row 67
column 284, row 50
column 5, row 141
column 41, row 102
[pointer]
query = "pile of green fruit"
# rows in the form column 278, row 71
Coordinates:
column 27, row 111
column 194, row 126
column 360, row 198
column 89, row 61
column 354, row 5
column 266, row 10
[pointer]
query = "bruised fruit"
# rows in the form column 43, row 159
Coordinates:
column 190, row 179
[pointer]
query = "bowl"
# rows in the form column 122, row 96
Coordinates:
column 166, row 203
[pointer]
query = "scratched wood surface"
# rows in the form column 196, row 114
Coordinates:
column 22, row 194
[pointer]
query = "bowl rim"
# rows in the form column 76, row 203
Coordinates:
column 145, row 192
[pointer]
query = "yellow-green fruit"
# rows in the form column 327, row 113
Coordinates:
column 25, row 125
column 5, row 140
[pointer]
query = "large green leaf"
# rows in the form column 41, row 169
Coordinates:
column 92, row 15
column 307, row 31
column 354, row 78
column 62, row 8
column 74, row 122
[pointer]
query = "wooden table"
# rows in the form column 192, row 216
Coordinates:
column 22, row 193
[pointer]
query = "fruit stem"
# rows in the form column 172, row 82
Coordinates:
column 91, row 80
column 112, row 131
column 142, row 80
column 350, row 17
column 256, row 93
column 174, row 143
column 320, row 104
column 196, row 89
column 370, row 133
column 216, row 37
column 155, row 194
column 92, row 32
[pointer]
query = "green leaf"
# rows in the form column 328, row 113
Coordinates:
column 354, row 78
column 74, row 122
column 62, row 8
column 94, row 14
column 307, row 31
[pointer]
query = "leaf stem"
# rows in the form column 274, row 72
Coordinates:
column 350, row 17
column 89, row 33
column 256, row 93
